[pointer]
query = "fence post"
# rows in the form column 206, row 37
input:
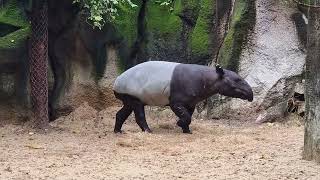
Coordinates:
column 38, row 54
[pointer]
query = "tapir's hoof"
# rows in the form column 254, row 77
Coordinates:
column 148, row 131
column 180, row 124
column 117, row 131
column 187, row 131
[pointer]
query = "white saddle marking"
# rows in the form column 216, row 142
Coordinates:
column 148, row 81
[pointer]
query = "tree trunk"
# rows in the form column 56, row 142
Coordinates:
column 312, row 121
column 38, row 63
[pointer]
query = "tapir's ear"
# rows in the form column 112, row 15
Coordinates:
column 219, row 70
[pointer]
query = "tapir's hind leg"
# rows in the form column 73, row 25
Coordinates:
column 130, row 104
column 123, row 114
column 184, row 113
column 121, row 117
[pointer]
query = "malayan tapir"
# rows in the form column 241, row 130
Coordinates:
column 180, row 86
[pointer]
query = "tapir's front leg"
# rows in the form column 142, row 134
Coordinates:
column 184, row 113
column 140, row 117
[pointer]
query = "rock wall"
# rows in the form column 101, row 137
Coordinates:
column 14, row 30
column 272, row 62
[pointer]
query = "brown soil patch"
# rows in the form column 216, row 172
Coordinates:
column 98, row 98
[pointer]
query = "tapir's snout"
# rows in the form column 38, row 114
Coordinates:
column 249, row 93
column 245, row 91
column 250, row 96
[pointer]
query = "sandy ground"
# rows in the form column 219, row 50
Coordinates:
column 83, row 146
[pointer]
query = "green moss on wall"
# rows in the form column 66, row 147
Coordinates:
column 241, row 23
column 171, row 30
column 6, row 29
column 163, row 21
column 12, row 14
column 126, row 22
column 190, row 11
column 126, row 29
column 200, row 41
column 14, row 39
column 164, row 30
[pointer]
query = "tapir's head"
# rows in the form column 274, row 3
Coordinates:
column 231, row 84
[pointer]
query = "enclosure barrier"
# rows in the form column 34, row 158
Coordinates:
column 38, row 54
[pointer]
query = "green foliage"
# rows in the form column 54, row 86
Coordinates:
column 101, row 11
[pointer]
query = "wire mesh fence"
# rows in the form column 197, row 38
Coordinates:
column 38, row 54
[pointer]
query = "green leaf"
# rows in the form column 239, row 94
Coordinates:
column 97, row 18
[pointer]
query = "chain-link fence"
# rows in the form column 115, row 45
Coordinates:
column 38, row 55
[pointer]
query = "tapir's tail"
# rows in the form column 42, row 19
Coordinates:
column 117, row 95
column 120, row 96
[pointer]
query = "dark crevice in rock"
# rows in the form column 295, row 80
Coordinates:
column 220, row 24
column 6, row 29
column 301, row 27
column 241, row 26
column 138, row 52
column 188, row 16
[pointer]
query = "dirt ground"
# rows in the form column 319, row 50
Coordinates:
column 83, row 146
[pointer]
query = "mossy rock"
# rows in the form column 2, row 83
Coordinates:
column 14, row 31
column 190, row 11
column 13, row 25
column 163, row 20
column 175, row 32
column 126, row 21
column 15, row 39
column 201, row 39
column 172, row 32
column 164, row 29
column 242, row 22
column 126, row 29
